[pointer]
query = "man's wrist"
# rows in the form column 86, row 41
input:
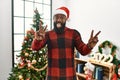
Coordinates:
column 88, row 45
column 37, row 39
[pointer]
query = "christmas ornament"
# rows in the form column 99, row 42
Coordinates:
column 20, row 77
column 41, row 51
column 26, row 54
column 114, row 77
column 34, row 61
column 29, row 65
column 30, row 39
column 89, row 69
column 39, row 60
column 21, row 65
column 110, row 45
column 28, row 79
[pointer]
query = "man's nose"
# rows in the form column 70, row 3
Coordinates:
column 59, row 19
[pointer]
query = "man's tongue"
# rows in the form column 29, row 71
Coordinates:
column 58, row 25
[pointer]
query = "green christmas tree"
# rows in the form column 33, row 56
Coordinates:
column 31, row 64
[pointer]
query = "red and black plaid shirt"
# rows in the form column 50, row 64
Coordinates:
column 61, row 53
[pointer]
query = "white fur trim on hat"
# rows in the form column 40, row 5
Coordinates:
column 59, row 11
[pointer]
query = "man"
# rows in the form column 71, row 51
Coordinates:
column 61, row 42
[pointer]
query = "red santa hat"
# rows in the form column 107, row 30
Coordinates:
column 62, row 10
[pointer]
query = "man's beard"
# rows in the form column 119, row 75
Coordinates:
column 60, row 29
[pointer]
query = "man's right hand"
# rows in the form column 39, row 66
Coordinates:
column 40, row 34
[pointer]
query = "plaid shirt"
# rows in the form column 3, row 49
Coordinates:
column 61, row 53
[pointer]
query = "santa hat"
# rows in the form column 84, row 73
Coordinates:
column 62, row 10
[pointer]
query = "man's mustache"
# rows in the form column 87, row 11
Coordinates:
column 59, row 22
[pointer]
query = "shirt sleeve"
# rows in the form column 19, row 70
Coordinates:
column 80, row 45
column 37, row 45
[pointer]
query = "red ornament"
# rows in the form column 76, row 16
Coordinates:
column 114, row 77
column 22, row 58
column 28, row 79
column 21, row 65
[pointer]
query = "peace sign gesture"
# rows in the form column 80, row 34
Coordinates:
column 93, row 39
column 40, row 34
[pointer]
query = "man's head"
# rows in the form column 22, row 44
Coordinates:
column 60, row 16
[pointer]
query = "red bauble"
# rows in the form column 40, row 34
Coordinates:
column 114, row 77
column 28, row 79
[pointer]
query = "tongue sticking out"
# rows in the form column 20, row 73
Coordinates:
column 58, row 25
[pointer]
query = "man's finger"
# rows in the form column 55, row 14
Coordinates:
column 40, row 27
column 97, row 34
column 91, row 34
column 45, row 28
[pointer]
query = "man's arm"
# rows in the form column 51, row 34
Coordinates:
column 80, row 45
column 83, row 48
column 40, row 38
column 37, row 45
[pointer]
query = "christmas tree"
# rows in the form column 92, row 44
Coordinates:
column 31, row 64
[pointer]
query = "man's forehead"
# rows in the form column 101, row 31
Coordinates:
column 59, row 15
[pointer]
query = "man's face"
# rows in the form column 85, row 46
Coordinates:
column 59, row 20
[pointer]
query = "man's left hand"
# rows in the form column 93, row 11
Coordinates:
column 93, row 40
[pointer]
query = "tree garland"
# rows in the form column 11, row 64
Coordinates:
column 39, row 69
column 113, row 53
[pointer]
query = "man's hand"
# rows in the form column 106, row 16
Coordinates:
column 93, row 40
column 40, row 34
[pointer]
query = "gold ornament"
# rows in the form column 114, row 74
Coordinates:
column 29, row 65
column 20, row 77
column 34, row 61
column 26, row 54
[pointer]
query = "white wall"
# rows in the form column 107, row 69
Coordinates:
column 98, row 15
column 103, row 15
column 5, row 39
